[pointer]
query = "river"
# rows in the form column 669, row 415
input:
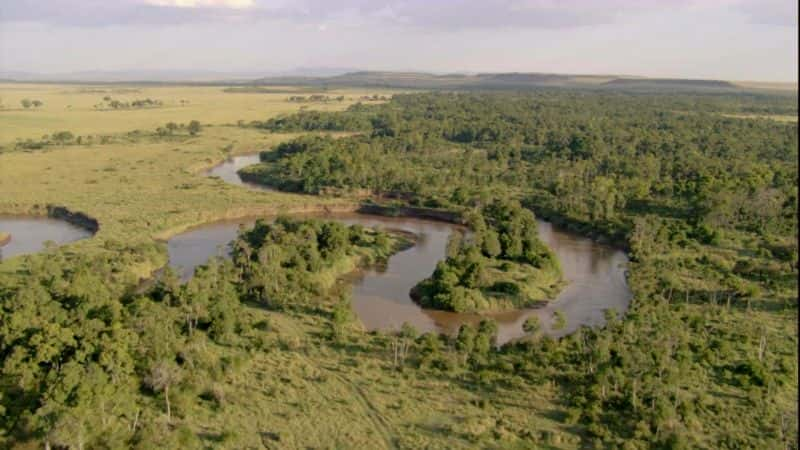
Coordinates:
column 380, row 295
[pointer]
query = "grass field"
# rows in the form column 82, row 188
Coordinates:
column 140, row 188
column 71, row 107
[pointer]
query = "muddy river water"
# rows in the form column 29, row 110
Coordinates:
column 29, row 234
column 380, row 295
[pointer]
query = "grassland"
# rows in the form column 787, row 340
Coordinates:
column 301, row 393
column 71, row 107
column 143, row 188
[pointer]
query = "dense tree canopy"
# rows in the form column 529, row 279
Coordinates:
column 706, row 356
column 706, row 203
column 500, row 264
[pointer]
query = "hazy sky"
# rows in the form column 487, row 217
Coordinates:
column 727, row 39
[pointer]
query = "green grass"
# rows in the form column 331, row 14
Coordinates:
column 535, row 284
column 312, row 395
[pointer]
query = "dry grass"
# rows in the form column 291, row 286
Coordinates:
column 144, row 188
column 71, row 107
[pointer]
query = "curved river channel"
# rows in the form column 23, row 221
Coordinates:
column 380, row 295
column 29, row 234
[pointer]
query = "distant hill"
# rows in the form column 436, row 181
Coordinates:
column 512, row 80
column 331, row 77
column 669, row 83
column 422, row 80
column 167, row 76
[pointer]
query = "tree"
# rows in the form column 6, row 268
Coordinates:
column 559, row 320
column 402, row 340
column 162, row 375
column 194, row 127
column 465, row 341
column 532, row 325
column 340, row 318
column 491, row 244
column 63, row 137
column 26, row 103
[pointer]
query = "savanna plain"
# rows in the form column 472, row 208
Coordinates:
column 104, row 346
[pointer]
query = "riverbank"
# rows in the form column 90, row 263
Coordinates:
column 26, row 235
column 364, row 258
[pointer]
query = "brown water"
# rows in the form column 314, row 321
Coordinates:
column 380, row 296
column 28, row 234
column 227, row 171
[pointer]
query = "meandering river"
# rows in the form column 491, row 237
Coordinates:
column 380, row 295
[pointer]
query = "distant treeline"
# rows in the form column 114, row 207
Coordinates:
column 112, row 103
column 315, row 98
column 62, row 138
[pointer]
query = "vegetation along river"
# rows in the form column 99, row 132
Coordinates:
column 380, row 295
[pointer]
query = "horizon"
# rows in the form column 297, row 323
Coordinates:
column 177, row 75
column 732, row 40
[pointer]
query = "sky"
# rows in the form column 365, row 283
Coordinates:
column 713, row 39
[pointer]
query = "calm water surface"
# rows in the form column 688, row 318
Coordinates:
column 28, row 234
column 227, row 171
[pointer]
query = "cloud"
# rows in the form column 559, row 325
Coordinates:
column 236, row 4
column 445, row 15
column 121, row 12
column 771, row 12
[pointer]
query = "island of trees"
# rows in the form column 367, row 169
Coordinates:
column 288, row 262
column 501, row 264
